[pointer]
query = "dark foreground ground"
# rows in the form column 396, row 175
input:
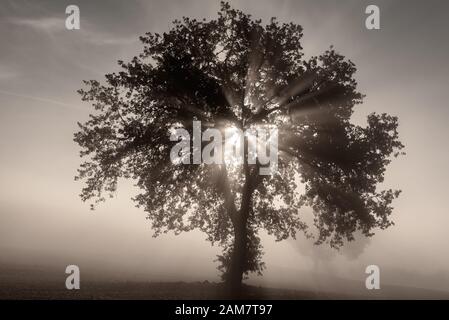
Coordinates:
column 144, row 291
column 18, row 283
column 182, row 291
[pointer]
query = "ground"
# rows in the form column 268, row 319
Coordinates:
column 39, row 283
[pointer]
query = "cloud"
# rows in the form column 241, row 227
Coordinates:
column 88, row 31
column 39, row 99
column 47, row 24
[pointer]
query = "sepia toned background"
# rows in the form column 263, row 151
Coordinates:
column 402, row 68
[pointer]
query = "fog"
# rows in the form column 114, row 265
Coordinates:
column 402, row 69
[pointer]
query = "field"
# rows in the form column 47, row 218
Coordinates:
column 27, row 283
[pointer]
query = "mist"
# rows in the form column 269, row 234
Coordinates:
column 402, row 69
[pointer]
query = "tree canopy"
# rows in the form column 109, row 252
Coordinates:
column 235, row 71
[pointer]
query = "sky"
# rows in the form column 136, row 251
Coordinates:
column 402, row 69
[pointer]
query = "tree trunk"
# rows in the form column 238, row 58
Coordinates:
column 238, row 258
column 239, row 254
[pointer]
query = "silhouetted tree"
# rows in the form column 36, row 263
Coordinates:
column 235, row 71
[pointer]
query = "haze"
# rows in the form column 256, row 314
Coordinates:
column 402, row 68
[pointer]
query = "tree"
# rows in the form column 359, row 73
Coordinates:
column 236, row 72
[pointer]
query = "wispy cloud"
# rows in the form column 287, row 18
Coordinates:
column 89, row 32
column 39, row 99
column 47, row 24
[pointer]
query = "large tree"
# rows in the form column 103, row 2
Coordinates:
column 237, row 72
